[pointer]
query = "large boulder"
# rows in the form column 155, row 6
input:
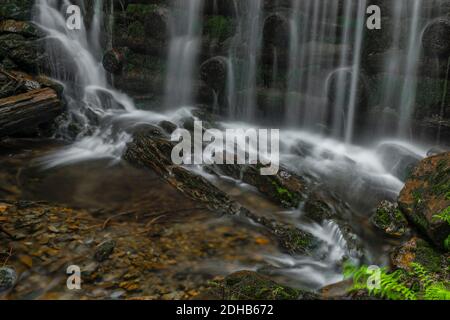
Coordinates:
column 436, row 39
column 426, row 195
column 397, row 159
column 418, row 251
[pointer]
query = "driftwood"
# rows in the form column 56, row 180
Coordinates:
column 28, row 110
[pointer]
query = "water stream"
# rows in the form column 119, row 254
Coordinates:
column 323, row 61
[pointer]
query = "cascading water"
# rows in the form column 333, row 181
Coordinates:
column 184, row 48
column 101, row 118
column 322, row 90
column 92, row 103
column 244, row 56
column 413, row 50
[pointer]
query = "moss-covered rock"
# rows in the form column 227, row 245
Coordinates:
column 28, row 54
column 426, row 195
column 248, row 285
column 389, row 219
column 218, row 27
column 16, row 9
column 419, row 251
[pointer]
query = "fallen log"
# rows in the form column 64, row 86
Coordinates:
column 28, row 110
column 154, row 152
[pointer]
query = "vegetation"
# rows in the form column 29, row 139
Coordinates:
column 218, row 27
column 418, row 284
column 445, row 216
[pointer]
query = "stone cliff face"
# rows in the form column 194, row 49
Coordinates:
column 141, row 32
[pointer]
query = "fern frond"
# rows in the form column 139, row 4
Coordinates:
column 437, row 291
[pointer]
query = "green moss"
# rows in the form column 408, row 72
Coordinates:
column 136, row 30
column 427, row 256
column 247, row 285
column 286, row 197
column 218, row 27
column 141, row 9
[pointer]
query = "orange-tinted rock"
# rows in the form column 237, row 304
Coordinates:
column 419, row 251
column 427, row 194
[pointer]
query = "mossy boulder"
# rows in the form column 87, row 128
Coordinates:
column 16, row 9
column 28, row 54
column 427, row 194
column 389, row 219
column 24, row 28
column 419, row 251
column 248, row 285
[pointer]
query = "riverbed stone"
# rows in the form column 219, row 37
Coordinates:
column 8, row 278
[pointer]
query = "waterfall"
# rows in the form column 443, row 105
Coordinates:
column 93, row 106
column 184, row 48
column 244, row 57
column 355, row 70
column 408, row 93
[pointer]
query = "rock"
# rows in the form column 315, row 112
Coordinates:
column 14, row 9
column 249, row 285
column 113, row 61
column 284, row 187
column 435, row 38
column 8, row 278
column 104, row 250
column 152, row 152
column 276, row 31
column 419, row 251
column 214, row 73
column 389, row 219
column 397, row 160
column 28, row 54
column 23, row 28
column 435, row 151
column 168, row 126
column 427, row 194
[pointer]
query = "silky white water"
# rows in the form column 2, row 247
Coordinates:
column 103, row 119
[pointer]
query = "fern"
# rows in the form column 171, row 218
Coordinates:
column 444, row 215
column 394, row 285
column 437, row 291
column 390, row 286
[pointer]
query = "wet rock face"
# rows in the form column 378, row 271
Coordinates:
column 426, row 195
column 397, row 160
column 436, row 40
column 389, row 219
column 248, row 285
